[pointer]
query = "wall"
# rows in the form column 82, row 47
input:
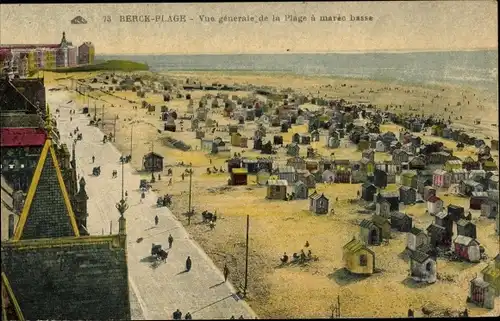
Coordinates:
column 353, row 262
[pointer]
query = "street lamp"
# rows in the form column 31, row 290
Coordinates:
column 122, row 205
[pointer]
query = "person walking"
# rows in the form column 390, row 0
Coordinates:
column 170, row 241
column 188, row 264
column 156, row 220
column 93, row 159
column 226, row 272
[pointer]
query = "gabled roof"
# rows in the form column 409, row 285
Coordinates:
column 47, row 199
column 433, row 228
column 366, row 224
column 152, row 154
column 355, row 245
column 433, row 199
column 419, row 256
column 416, row 231
column 317, row 196
column 464, row 240
column 9, row 300
column 462, row 222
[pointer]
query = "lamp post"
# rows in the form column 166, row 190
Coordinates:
column 122, row 206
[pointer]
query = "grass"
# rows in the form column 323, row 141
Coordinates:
column 117, row 65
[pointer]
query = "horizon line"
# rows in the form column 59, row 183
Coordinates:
column 304, row 52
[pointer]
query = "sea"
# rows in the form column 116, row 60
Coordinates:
column 477, row 69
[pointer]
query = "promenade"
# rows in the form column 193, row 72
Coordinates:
column 159, row 290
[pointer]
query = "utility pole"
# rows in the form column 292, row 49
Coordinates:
column 102, row 117
column 114, row 128
column 246, row 259
column 131, row 135
column 189, row 199
column 152, row 163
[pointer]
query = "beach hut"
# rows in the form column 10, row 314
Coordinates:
column 305, row 139
column 384, row 225
column 423, row 267
column 437, row 236
column 296, row 162
column 358, row 259
column 380, row 146
column 152, row 162
column 235, row 139
column 409, row 179
column 407, row 195
column 287, row 173
column 453, row 164
column 467, row 187
column 262, row 177
column 239, row 176
column 467, row 248
column 383, row 208
column 455, row 212
column 293, row 149
column 400, row 156
column 434, row 205
column 284, row 127
column 252, row 165
column 369, row 233
column 490, row 208
column 466, row 228
column 477, row 199
column 458, row 175
column 401, row 222
column 318, row 204
column 491, row 274
column 333, row 142
column 278, row 140
column 481, row 293
column 276, row 189
column 417, row 162
column 267, row 148
column 300, row 190
column 416, row 238
column 441, row 178
column 368, row 191
column 257, row 143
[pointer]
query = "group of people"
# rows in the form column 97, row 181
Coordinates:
column 177, row 315
column 302, row 257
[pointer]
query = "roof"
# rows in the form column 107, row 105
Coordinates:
column 317, row 196
column 399, row 215
column 379, row 220
column 480, row 283
column 366, row 224
column 419, row 256
column 286, row 169
column 239, row 170
column 433, row 199
column 454, row 162
column 152, row 154
column 440, row 172
column 433, row 228
column 409, row 174
column 277, row 182
column 30, row 46
column 355, row 245
column 459, row 171
column 7, row 289
column 14, row 137
column 462, row 222
column 416, row 231
column 464, row 240
column 471, row 182
column 45, row 201
column 441, row 214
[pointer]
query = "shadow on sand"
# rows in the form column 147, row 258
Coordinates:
column 409, row 282
column 405, row 255
column 344, row 277
column 216, row 285
column 182, row 272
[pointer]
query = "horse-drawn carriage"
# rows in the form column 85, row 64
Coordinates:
column 207, row 216
column 158, row 253
column 96, row 171
column 164, row 201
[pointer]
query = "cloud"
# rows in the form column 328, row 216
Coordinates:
column 78, row 20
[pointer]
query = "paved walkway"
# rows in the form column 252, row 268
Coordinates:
column 161, row 290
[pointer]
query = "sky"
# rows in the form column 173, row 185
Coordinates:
column 396, row 26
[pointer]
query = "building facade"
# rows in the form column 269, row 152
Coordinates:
column 23, row 59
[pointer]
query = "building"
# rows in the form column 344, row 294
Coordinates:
column 46, row 56
column 287, row 173
column 491, row 274
column 358, row 259
column 384, row 225
column 86, row 53
column 51, row 267
column 437, row 236
column 368, row 192
column 401, row 222
column 441, row 178
column 369, row 233
column 434, row 205
column 466, row 228
column 423, row 267
column 238, row 176
column 152, row 162
column 300, row 190
column 407, row 195
column 318, row 204
column 409, row 179
column 416, row 238
column 467, row 248
column 276, row 189
column 481, row 293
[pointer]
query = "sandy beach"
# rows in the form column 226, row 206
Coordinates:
column 277, row 226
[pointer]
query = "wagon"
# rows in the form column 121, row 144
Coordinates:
column 155, row 249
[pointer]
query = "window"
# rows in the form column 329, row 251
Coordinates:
column 363, row 260
column 428, row 266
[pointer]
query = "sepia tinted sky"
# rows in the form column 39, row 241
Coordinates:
column 408, row 25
